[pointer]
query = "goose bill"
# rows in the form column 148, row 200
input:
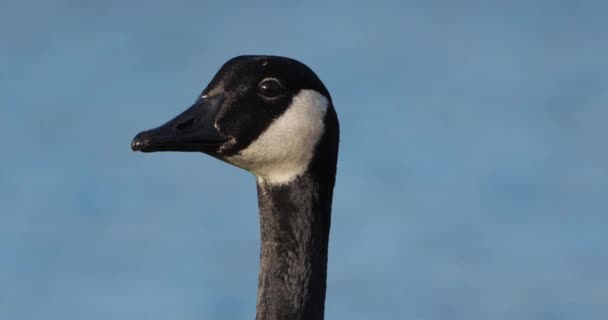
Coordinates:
column 192, row 130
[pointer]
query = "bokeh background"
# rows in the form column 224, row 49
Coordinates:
column 473, row 172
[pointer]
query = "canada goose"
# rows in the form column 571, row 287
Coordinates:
column 273, row 117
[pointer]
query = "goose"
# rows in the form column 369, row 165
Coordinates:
column 273, row 117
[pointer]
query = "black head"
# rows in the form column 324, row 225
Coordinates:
column 266, row 114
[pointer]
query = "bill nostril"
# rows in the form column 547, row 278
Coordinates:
column 186, row 124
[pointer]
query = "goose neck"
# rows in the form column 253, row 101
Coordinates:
column 295, row 221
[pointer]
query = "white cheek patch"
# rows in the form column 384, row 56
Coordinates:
column 284, row 150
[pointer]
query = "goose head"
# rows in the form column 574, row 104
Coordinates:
column 269, row 115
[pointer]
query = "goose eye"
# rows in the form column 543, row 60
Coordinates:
column 271, row 88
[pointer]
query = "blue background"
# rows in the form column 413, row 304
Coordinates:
column 473, row 171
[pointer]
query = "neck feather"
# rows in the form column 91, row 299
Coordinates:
column 295, row 220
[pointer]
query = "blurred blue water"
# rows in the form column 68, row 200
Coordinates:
column 473, row 173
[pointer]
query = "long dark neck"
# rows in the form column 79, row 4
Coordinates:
column 295, row 221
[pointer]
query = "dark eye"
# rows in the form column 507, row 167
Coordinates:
column 271, row 88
